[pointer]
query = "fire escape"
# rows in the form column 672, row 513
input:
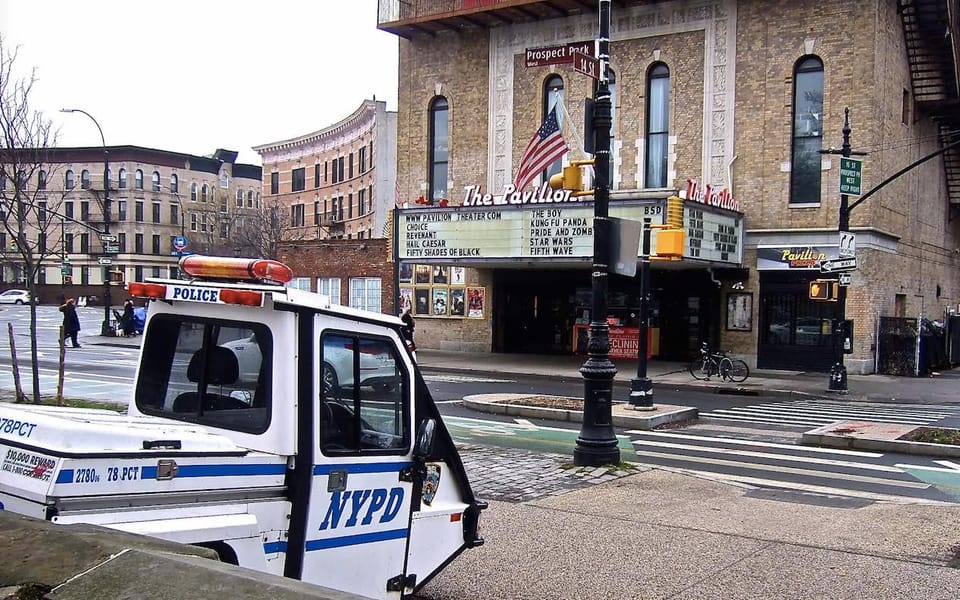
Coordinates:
column 931, row 29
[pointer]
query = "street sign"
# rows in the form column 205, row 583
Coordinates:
column 180, row 242
column 838, row 264
column 851, row 171
column 108, row 238
column 848, row 244
column 109, row 249
column 105, row 260
column 557, row 55
column 588, row 65
column 845, row 278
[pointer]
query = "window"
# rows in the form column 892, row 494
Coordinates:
column 239, row 198
column 122, row 242
column 224, row 180
column 122, row 179
column 249, row 198
column 155, row 244
column 193, row 192
column 138, row 179
column 905, row 107
column 203, row 193
column 155, row 180
column 42, row 211
column 138, row 243
column 221, row 383
column 203, row 222
column 362, row 395
column 68, row 243
column 340, row 168
column 174, row 214
column 316, row 175
column 350, row 205
column 155, row 272
column 174, row 183
column 42, row 180
column 224, row 229
column 84, row 210
column 363, row 160
column 155, row 214
column 329, row 287
column 121, row 210
column 68, row 181
column 138, row 212
column 68, row 210
column 439, row 148
column 299, row 283
column 807, row 131
column 296, row 215
column 274, row 183
column 223, row 204
column 365, row 293
column 350, row 166
column 85, row 180
column 361, row 202
column 552, row 97
column 193, row 221
column 299, row 180
column 85, row 243
column 658, row 126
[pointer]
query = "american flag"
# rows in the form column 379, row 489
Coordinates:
column 546, row 146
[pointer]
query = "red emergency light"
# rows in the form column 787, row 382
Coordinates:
column 244, row 269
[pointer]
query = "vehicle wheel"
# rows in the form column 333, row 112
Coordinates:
column 700, row 369
column 18, row 302
column 329, row 384
column 734, row 369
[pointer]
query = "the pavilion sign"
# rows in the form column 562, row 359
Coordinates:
column 539, row 195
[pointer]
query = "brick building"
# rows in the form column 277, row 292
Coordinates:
column 155, row 196
column 335, row 183
column 742, row 96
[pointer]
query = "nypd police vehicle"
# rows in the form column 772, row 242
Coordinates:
column 289, row 435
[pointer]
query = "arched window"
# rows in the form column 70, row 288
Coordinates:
column 122, row 179
column 239, row 198
column 658, row 125
column 807, row 131
column 203, row 193
column 553, row 99
column 174, row 183
column 155, row 180
column 68, row 181
column 85, row 179
column 138, row 179
column 42, row 180
column 439, row 148
column 193, row 192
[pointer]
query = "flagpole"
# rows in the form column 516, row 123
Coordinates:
column 597, row 444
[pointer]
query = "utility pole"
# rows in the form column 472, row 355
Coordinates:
column 641, row 388
column 597, row 444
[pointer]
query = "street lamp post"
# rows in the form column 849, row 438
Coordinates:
column 597, row 444
column 105, row 329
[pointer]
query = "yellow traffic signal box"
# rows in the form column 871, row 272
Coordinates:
column 825, row 290
column 571, row 178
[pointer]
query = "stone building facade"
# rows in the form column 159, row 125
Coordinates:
column 749, row 97
column 335, row 183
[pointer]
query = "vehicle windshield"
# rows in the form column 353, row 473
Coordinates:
column 208, row 371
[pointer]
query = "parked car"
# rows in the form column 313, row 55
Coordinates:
column 15, row 297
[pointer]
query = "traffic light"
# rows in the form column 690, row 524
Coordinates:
column 670, row 237
column 68, row 279
column 571, row 178
column 825, row 290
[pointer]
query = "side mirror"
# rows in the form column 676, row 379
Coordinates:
column 425, row 434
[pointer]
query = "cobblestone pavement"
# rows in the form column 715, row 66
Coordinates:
column 513, row 475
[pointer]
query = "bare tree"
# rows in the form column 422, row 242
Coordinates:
column 25, row 205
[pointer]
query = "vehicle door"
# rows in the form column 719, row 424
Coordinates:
column 360, row 497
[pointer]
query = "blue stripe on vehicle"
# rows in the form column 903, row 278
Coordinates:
column 356, row 540
column 65, row 476
column 271, row 547
column 218, row 470
column 361, row 468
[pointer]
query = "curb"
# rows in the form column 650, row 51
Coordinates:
column 499, row 404
column 853, row 439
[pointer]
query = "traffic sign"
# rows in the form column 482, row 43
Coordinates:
column 180, row 242
column 110, row 249
column 851, row 171
column 586, row 64
column 108, row 238
column 845, row 278
column 838, row 264
column 105, row 260
column 848, row 244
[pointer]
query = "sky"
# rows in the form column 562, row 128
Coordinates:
column 194, row 76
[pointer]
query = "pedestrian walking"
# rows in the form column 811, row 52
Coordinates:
column 71, row 322
column 409, row 325
column 127, row 321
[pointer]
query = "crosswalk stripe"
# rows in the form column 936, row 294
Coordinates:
column 830, row 409
column 768, row 455
column 704, row 438
column 754, row 419
column 829, row 491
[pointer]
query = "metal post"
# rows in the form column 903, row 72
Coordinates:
column 105, row 329
column 838, row 372
column 597, row 444
column 641, row 387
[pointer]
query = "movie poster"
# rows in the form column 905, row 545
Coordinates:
column 476, row 300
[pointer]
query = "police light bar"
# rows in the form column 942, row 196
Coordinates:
column 244, row 269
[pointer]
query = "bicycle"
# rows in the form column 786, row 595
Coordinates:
column 718, row 363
